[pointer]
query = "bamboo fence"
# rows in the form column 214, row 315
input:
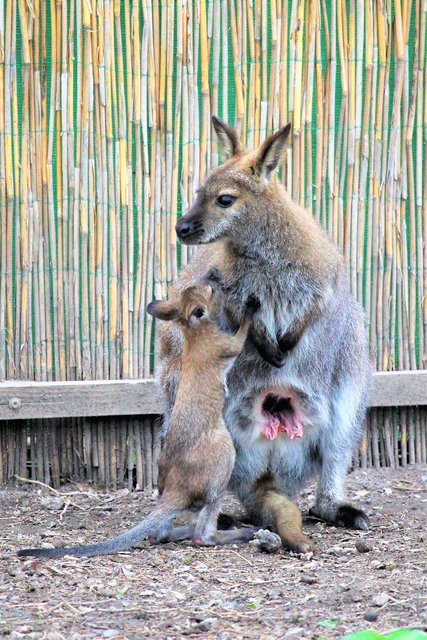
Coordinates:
column 105, row 134
column 123, row 453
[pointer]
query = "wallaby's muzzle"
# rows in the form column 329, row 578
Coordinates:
column 184, row 230
column 190, row 228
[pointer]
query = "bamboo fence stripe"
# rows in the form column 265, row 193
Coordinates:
column 105, row 134
column 124, row 453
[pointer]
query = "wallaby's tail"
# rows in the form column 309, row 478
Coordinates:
column 162, row 515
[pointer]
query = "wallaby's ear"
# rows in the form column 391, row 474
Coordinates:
column 197, row 314
column 228, row 138
column 270, row 152
column 164, row 309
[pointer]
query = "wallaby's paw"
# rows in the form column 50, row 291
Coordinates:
column 351, row 518
column 253, row 304
column 214, row 278
column 288, row 341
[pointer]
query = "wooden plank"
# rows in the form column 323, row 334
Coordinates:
column 78, row 399
column 399, row 389
column 23, row 400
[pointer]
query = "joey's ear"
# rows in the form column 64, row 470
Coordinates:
column 164, row 309
column 228, row 138
column 270, row 152
column 198, row 313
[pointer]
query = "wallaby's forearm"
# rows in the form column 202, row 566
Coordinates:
column 275, row 350
column 272, row 349
column 267, row 348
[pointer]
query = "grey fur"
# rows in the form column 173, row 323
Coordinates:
column 160, row 518
column 328, row 369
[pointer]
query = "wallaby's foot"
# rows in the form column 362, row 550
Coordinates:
column 345, row 516
column 183, row 532
column 351, row 518
column 236, row 536
column 204, row 534
column 176, row 534
column 231, row 536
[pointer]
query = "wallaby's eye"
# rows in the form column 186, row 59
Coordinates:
column 196, row 316
column 225, row 200
column 198, row 313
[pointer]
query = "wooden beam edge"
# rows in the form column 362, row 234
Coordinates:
column 28, row 399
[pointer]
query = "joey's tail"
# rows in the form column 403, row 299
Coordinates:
column 162, row 516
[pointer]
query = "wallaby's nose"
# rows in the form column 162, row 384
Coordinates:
column 184, row 229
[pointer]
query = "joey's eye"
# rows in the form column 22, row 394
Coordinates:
column 225, row 200
column 197, row 316
column 199, row 312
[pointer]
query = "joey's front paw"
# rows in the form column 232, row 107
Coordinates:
column 215, row 279
column 252, row 305
column 287, row 341
column 275, row 359
column 269, row 352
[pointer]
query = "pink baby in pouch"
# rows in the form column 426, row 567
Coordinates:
column 287, row 422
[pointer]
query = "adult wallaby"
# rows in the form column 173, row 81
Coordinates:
column 297, row 393
column 198, row 454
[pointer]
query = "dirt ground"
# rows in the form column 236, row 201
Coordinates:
column 175, row 590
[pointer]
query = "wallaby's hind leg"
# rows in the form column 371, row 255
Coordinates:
column 161, row 531
column 206, row 533
column 336, row 449
column 207, row 524
column 270, row 508
column 330, row 504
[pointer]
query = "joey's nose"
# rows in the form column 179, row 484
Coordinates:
column 184, row 229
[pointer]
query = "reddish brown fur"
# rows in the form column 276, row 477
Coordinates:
column 198, row 454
